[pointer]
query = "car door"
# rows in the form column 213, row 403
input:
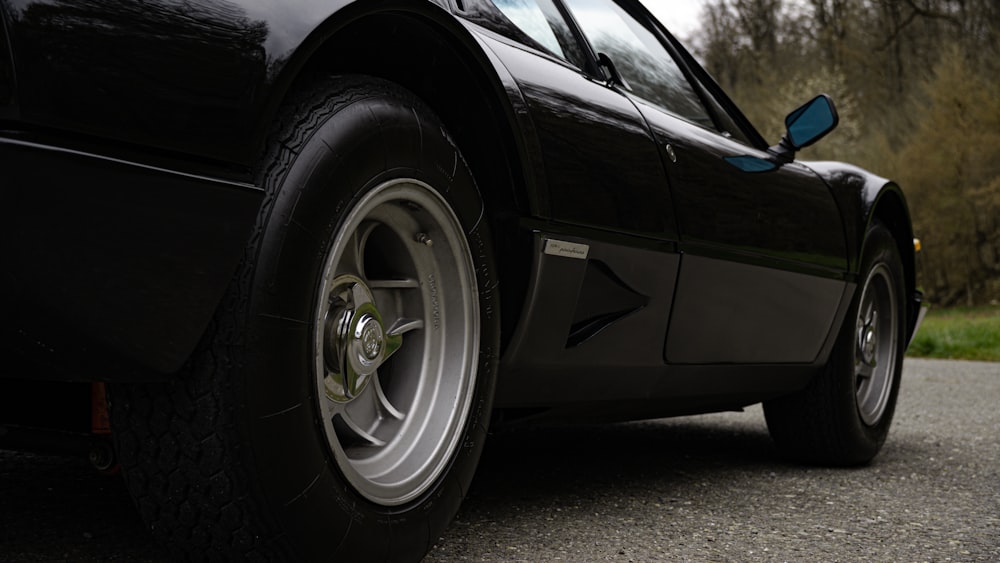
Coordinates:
column 763, row 253
column 604, row 260
column 600, row 164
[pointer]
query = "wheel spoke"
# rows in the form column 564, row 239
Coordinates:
column 353, row 259
column 394, row 291
column 362, row 416
column 360, row 296
column 355, row 422
column 402, row 326
column 873, row 352
column 394, row 295
column 384, row 404
column 394, row 283
column 359, row 434
column 370, row 418
column 869, row 309
column 863, row 373
column 394, row 336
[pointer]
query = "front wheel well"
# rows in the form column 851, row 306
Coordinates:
column 891, row 211
column 439, row 66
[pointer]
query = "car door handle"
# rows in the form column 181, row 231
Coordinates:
column 671, row 153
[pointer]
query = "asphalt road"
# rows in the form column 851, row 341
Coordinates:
column 706, row 488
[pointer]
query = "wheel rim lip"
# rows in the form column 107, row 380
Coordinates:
column 440, row 403
column 873, row 386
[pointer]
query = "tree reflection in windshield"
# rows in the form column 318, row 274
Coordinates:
column 640, row 58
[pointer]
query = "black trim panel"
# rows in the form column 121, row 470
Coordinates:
column 110, row 259
column 631, row 298
column 668, row 391
column 728, row 312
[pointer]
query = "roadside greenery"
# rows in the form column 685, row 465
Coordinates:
column 915, row 82
column 961, row 333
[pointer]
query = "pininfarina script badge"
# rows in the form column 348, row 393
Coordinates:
column 566, row 249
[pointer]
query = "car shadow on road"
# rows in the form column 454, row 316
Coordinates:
column 532, row 470
column 58, row 508
column 549, row 461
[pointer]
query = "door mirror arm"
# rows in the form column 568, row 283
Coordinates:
column 783, row 152
column 611, row 74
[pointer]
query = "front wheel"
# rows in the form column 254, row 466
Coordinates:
column 339, row 403
column 843, row 416
column 396, row 339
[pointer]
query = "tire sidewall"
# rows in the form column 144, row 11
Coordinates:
column 381, row 133
column 863, row 439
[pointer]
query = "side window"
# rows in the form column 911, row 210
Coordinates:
column 541, row 21
column 644, row 63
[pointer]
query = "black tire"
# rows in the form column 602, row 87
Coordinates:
column 298, row 431
column 843, row 416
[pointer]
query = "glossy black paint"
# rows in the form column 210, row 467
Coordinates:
column 785, row 215
column 863, row 196
column 858, row 193
column 163, row 115
column 200, row 79
column 601, row 166
column 6, row 69
column 170, row 75
column 129, row 165
column 771, row 316
column 108, row 260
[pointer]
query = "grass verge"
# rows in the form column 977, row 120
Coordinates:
column 959, row 334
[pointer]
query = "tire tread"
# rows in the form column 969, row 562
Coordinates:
column 178, row 442
column 820, row 423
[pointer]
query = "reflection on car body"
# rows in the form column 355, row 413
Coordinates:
column 316, row 251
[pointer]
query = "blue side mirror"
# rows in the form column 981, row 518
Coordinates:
column 805, row 126
column 811, row 122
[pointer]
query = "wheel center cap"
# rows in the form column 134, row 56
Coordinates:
column 355, row 343
column 371, row 337
column 868, row 344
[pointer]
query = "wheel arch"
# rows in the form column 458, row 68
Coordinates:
column 421, row 47
column 889, row 207
column 864, row 197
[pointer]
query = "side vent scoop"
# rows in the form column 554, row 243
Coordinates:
column 604, row 300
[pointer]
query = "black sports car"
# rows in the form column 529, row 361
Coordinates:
column 312, row 247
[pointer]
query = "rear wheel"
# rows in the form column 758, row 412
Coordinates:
column 843, row 416
column 338, row 406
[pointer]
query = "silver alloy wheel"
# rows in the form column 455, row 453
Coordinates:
column 875, row 342
column 396, row 341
